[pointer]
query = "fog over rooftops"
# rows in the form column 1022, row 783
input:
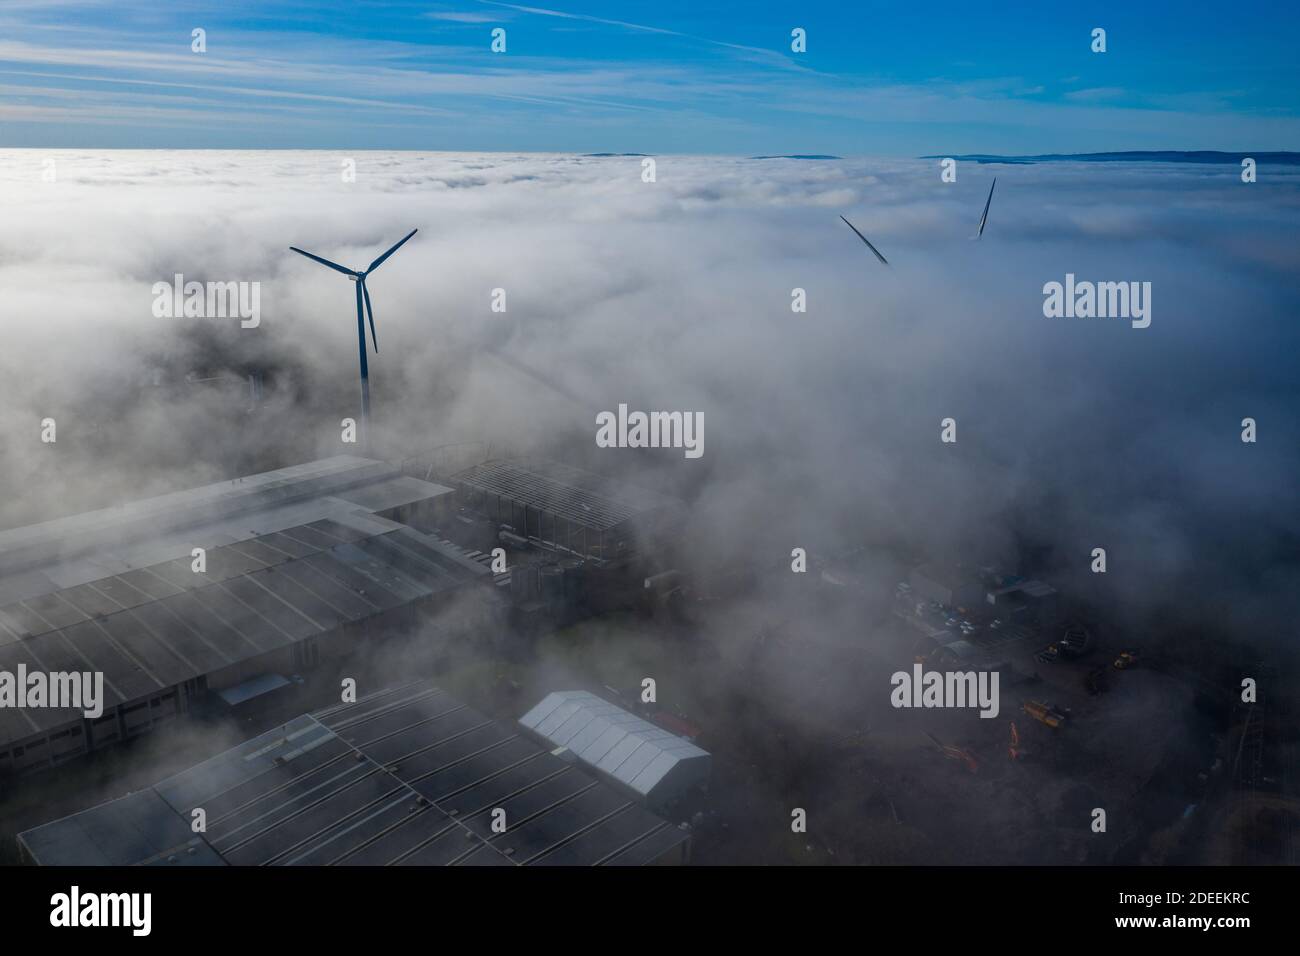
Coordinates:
column 82, row 547
column 302, row 554
column 581, row 497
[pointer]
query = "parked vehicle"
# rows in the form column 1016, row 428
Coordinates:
column 1126, row 660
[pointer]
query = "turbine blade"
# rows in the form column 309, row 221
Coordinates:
column 988, row 202
column 380, row 261
column 866, row 240
column 370, row 314
column 325, row 262
column 536, row 375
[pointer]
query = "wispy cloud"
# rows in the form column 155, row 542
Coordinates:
column 1095, row 94
column 613, row 85
column 464, row 17
column 771, row 57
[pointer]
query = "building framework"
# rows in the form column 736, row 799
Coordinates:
column 566, row 508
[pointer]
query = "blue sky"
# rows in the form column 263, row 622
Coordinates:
column 656, row 77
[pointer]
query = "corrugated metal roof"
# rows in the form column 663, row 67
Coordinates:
column 652, row 762
column 136, row 829
column 281, row 575
column 408, row 776
column 57, row 555
column 171, row 625
column 57, row 540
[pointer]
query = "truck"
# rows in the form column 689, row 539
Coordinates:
column 1045, row 713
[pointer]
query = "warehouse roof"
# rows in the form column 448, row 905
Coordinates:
column 1038, row 589
column 650, row 761
column 138, row 829
column 408, row 776
column 158, row 626
column 581, row 497
column 114, row 533
column 273, row 576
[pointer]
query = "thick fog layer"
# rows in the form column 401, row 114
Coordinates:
column 821, row 428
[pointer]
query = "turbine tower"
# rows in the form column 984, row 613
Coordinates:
column 363, row 298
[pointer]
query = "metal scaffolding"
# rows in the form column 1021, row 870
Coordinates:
column 559, row 505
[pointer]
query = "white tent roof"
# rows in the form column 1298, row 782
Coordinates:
column 651, row 761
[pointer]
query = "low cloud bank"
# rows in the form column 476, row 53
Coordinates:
column 823, row 426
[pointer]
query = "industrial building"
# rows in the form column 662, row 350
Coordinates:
column 950, row 586
column 563, row 508
column 647, row 761
column 1030, row 600
column 985, row 591
column 301, row 564
column 577, row 543
column 407, row 776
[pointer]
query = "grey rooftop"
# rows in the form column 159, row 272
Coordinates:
column 296, row 553
column 408, row 776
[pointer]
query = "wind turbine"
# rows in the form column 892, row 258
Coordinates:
column 363, row 296
column 988, row 202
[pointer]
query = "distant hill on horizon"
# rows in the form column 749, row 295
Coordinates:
column 1137, row 156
